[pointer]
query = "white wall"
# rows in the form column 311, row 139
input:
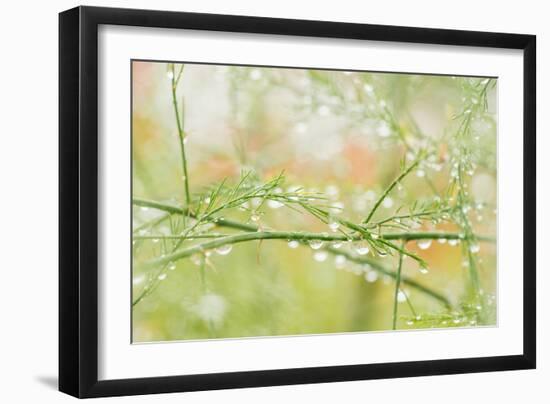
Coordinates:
column 28, row 172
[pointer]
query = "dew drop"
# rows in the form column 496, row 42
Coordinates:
column 362, row 249
column 340, row 261
column 170, row 75
column 337, row 244
column 332, row 191
column 337, row 207
column 387, row 202
column 293, row 244
column 333, row 225
column 155, row 240
column 420, row 173
column 315, row 244
column 456, row 321
column 138, row 279
column 255, row 217
column 224, row 249
column 273, row 204
column 320, row 256
column 410, row 322
column 401, row 296
column 172, row 266
column 474, row 248
column 371, row 276
column 441, row 240
column 424, row 244
column 162, row 276
column 244, row 206
column 453, row 242
column 423, row 270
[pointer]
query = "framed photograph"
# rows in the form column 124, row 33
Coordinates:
column 251, row 201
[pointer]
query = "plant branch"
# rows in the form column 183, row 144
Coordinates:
column 302, row 237
column 184, row 211
column 221, row 222
column 181, row 133
column 390, row 188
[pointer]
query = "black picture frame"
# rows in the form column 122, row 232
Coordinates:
column 78, row 200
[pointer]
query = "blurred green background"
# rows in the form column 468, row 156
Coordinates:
column 342, row 134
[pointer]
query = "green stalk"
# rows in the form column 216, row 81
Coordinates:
column 384, row 271
column 181, row 134
column 222, row 222
column 389, row 189
column 467, row 227
column 397, row 285
column 302, row 237
column 166, row 207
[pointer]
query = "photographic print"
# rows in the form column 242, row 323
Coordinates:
column 278, row 201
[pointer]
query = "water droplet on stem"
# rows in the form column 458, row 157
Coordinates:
column 333, row 225
column 274, row 204
column 315, row 244
column 424, row 244
column 293, row 244
column 474, row 248
column 362, row 249
column 224, row 249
